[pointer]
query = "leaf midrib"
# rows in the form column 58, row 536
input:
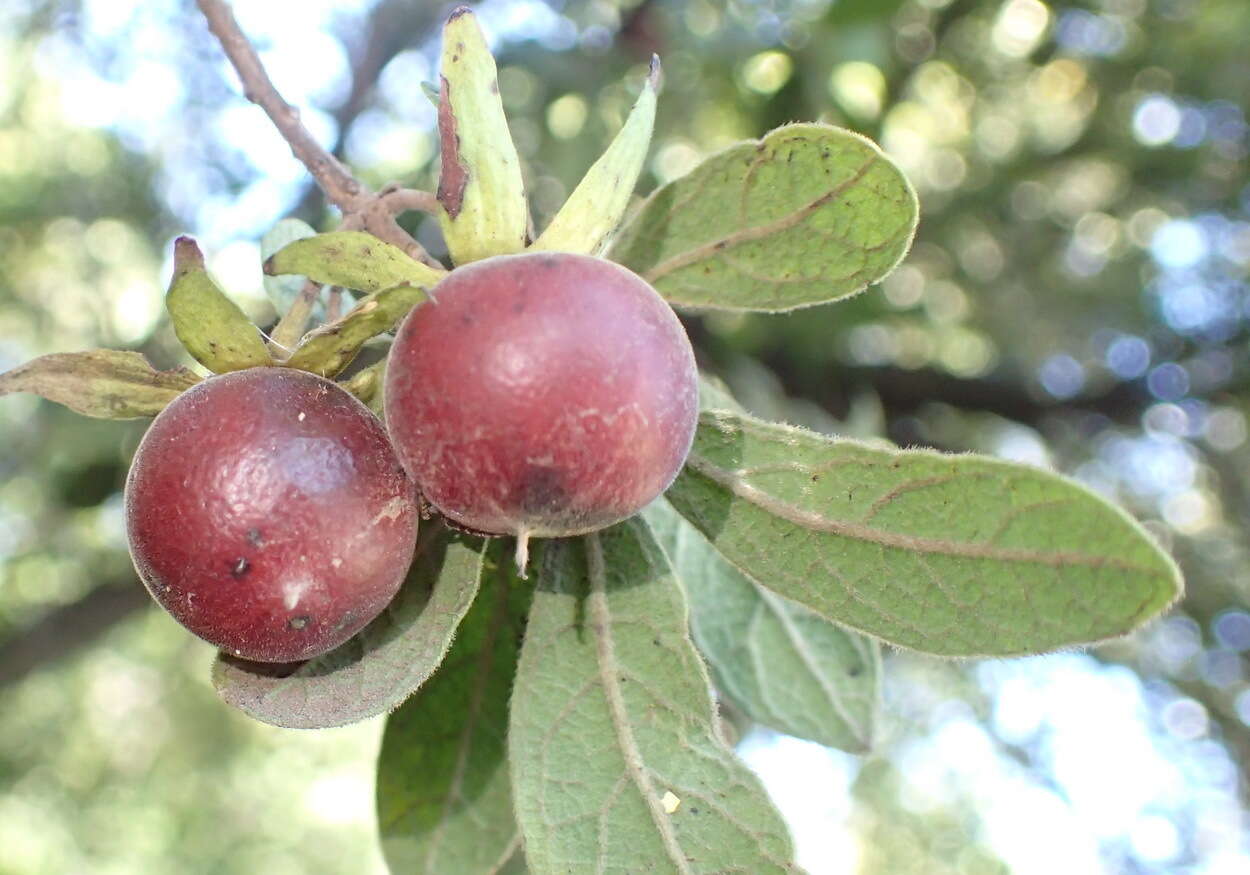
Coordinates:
column 812, row 521
column 758, row 232
column 608, row 668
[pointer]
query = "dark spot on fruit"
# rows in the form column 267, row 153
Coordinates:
column 298, row 623
column 542, row 490
column 254, row 537
column 240, row 568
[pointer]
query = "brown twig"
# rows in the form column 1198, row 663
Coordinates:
column 361, row 207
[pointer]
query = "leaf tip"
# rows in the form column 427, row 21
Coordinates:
column 458, row 12
column 187, row 256
column 653, row 73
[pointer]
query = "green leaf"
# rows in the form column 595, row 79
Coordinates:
column 953, row 555
column 617, row 761
column 484, row 211
column 592, row 213
column 382, row 665
column 104, row 383
column 352, row 259
column 781, row 664
column 444, row 792
column 330, row 348
column 809, row 214
column 211, row 326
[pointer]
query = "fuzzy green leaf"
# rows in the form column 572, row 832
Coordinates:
column 781, row 664
column 104, row 383
column 954, row 555
column 617, row 761
column 330, row 348
column 809, row 214
column 353, row 260
column 382, row 665
column 210, row 325
column 592, row 213
column 444, row 792
column 484, row 211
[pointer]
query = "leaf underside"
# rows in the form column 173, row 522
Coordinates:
column 952, row 555
column 781, row 664
column 617, row 761
column 444, row 792
column 103, row 383
column 808, row 214
column 382, row 665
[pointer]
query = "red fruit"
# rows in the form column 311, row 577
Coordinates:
column 267, row 512
column 543, row 394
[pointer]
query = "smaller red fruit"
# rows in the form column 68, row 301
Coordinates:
column 267, row 512
column 544, row 394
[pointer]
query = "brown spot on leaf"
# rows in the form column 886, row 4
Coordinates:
column 454, row 176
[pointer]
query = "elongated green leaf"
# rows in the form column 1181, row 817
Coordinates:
column 809, row 214
column 352, row 259
column 444, row 792
column 330, row 348
column 592, row 213
column 954, row 555
column 382, row 665
column 104, row 383
column 617, row 761
column 781, row 664
column 211, row 326
column 484, row 211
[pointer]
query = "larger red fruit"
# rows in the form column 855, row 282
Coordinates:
column 542, row 394
column 267, row 512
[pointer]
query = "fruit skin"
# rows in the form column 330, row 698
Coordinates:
column 544, row 394
column 267, row 512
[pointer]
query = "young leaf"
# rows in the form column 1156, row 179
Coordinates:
column 484, row 211
column 617, row 761
column 104, row 383
column 953, row 555
column 779, row 663
column 352, row 259
column 809, row 214
column 330, row 348
column 444, row 793
column 378, row 668
column 210, row 325
column 586, row 221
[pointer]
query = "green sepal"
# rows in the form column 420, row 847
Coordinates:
column 352, row 259
column 592, row 213
column 210, row 325
column 330, row 348
column 484, row 211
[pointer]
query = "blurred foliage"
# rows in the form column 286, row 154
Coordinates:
column 1077, row 297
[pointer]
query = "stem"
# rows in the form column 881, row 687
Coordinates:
column 291, row 327
column 343, row 189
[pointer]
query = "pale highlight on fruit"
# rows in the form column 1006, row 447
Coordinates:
column 543, row 395
column 266, row 511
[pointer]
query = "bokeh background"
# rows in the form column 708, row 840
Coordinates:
column 1077, row 298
